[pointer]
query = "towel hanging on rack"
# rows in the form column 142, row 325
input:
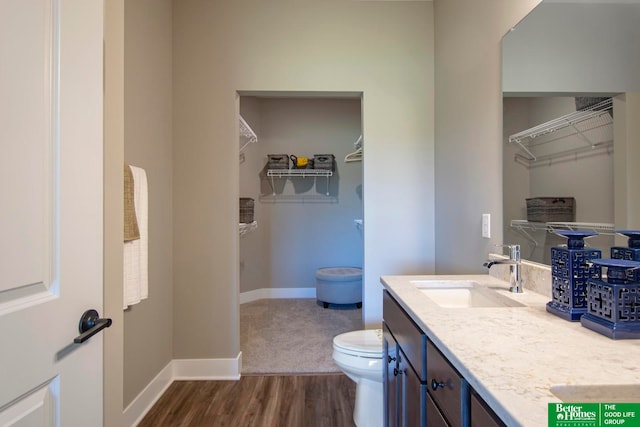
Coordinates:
column 136, row 252
column 131, row 230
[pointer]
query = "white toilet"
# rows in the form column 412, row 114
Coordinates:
column 359, row 356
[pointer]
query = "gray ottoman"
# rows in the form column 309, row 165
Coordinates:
column 339, row 285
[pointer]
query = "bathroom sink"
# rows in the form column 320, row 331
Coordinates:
column 627, row 393
column 463, row 294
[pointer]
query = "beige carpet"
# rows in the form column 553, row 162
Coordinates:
column 292, row 335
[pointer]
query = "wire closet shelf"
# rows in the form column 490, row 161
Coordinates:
column 578, row 122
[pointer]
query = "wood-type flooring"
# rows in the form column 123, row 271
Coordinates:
column 257, row 401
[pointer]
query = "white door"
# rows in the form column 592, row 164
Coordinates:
column 50, row 211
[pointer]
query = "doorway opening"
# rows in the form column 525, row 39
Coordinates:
column 307, row 217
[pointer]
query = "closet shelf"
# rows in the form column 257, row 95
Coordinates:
column 244, row 228
column 572, row 154
column 247, row 135
column 284, row 173
column 577, row 123
column 524, row 227
column 301, row 173
column 600, row 228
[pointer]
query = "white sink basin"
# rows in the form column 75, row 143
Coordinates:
column 629, row 393
column 463, row 294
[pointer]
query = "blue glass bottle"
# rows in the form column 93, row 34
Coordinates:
column 570, row 270
column 613, row 305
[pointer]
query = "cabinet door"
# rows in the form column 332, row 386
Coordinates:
column 391, row 381
column 406, row 333
column 413, row 404
column 434, row 416
column 481, row 414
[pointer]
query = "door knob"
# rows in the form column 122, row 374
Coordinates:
column 90, row 324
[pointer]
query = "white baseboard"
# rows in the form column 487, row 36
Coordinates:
column 180, row 369
column 271, row 293
column 138, row 408
column 207, row 369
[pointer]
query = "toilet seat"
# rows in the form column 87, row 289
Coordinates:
column 364, row 343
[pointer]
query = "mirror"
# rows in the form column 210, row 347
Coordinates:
column 560, row 54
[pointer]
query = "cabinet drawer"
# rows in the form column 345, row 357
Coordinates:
column 482, row 415
column 445, row 385
column 408, row 336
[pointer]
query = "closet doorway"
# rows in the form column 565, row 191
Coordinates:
column 300, row 223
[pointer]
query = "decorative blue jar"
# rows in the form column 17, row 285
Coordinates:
column 570, row 270
column 614, row 304
column 631, row 253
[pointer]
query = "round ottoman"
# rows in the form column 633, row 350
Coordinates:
column 339, row 285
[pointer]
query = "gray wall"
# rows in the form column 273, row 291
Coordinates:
column 515, row 188
column 300, row 229
column 573, row 48
column 626, row 155
column 148, row 144
column 382, row 49
column 113, row 208
column 468, row 147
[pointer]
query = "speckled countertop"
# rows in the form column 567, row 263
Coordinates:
column 512, row 355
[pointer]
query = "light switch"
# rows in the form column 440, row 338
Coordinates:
column 486, row 225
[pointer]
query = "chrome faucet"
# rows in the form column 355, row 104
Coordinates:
column 514, row 262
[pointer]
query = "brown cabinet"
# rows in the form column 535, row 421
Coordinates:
column 404, row 347
column 421, row 387
column 446, row 386
column 403, row 388
column 481, row 414
column 434, row 416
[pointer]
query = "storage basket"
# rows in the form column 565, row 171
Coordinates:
column 323, row 161
column 277, row 161
column 551, row 209
column 246, row 210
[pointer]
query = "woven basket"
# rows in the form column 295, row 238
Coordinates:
column 323, row 161
column 551, row 209
column 277, row 161
column 246, row 210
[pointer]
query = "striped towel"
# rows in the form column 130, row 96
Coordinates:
column 131, row 230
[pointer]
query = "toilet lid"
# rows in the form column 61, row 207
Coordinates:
column 367, row 342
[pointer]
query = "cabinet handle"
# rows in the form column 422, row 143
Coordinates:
column 391, row 359
column 397, row 372
column 435, row 384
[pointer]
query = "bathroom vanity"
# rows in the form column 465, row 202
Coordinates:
column 464, row 351
column 421, row 394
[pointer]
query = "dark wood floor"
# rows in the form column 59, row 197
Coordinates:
column 265, row 401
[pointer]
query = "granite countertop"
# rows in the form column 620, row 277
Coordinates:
column 512, row 355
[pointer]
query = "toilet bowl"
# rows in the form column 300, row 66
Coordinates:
column 359, row 355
